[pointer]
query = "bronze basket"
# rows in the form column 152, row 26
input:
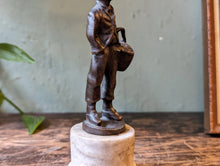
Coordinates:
column 125, row 57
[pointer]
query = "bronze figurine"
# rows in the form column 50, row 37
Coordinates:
column 109, row 55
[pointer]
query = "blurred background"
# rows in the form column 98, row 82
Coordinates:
column 166, row 74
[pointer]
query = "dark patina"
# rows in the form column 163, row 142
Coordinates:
column 109, row 55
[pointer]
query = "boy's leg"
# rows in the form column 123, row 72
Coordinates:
column 108, row 87
column 94, row 80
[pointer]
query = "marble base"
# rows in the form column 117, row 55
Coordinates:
column 94, row 150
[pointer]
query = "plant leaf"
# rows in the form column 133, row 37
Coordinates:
column 32, row 122
column 13, row 53
column 1, row 98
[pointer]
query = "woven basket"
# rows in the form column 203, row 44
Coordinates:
column 125, row 57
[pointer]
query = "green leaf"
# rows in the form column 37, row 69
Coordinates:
column 13, row 53
column 32, row 122
column 1, row 98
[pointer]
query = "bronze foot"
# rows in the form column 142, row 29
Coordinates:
column 93, row 118
column 111, row 113
column 92, row 115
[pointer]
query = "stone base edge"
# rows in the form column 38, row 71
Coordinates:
column 76, row 165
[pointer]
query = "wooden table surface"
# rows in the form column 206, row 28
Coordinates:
column 161, row 139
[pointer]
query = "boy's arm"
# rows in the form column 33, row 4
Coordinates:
column 92, row 32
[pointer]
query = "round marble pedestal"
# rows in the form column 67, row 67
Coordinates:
column 93, row 150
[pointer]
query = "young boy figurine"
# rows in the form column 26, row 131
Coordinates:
column 102, row 34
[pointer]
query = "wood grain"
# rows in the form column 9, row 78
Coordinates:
column 161, row 139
